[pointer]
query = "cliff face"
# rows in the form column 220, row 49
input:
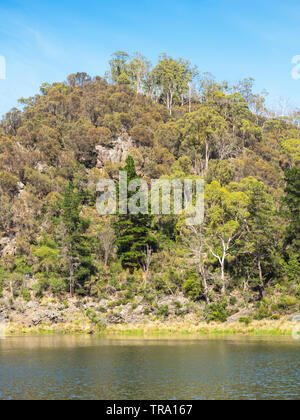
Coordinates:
column 116, row 152
column 8, row 246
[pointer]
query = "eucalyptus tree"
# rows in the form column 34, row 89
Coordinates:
column 204, row 132
column 226, row 213
column 138, row 69
column 118, row 66
column 258, row 248
column 173, row 78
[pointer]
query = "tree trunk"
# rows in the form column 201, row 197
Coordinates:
column 206, row 156
column 202, row 274
column 72, row 278
column 223, row 275
column 261, row 287
column 223, row 282
column 145, row 276
column 206, row 294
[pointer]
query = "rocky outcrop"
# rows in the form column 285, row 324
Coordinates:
column 116, row 152
column 8, row 246
column 53, row 311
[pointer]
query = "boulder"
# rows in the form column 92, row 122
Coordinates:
column 116, row 152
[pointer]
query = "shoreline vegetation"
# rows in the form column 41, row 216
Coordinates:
column 282, row 327
column 65, row 267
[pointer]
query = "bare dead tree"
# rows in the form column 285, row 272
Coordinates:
column 107, row 242
column 194, row 241
column 148, row 254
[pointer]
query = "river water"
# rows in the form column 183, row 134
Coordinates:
column 73, row 367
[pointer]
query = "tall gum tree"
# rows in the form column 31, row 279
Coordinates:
column 173, row 78
column 201, row 131
column 225, row 215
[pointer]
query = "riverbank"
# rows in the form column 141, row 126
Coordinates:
column 84, row 367
column 281, row 327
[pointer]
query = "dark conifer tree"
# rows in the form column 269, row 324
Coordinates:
column 75, row 245
column 135, row 233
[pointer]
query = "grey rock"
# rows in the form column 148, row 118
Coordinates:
column 116, row 152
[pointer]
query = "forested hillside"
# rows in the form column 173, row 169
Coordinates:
column 172, row 121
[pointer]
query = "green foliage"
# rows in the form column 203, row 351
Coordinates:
column 8, row 183
column 216, row 312
column 26, row 294
column 232, row 300
column 193, row 286
column 75, row 244
column 292, row 201
column 297, row 292
column 3, row 276
column 57, row 286
column 163, row 311
column 47, row 254
column 172, row 77
column 40, row 286
column 22, row 266
column 263, row 311
column 245, row 320
column 93, row 317
column 51, row 232
column 134, row 232
column 16, row 282
column 293, row 268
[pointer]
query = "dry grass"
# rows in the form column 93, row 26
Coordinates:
column 281, row 327
column 71, row 328
column 256, row 328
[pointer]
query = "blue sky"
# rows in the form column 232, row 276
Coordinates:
column 44, row 41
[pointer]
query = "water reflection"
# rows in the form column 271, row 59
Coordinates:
column 84, row 367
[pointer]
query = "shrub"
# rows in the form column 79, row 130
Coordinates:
column 174, row 277
column 262, row 313
column 22, row 266
column 40, row 286
column 81, row 292
column 101, row 326
column 192, row 287
column 245, row 320
column 177, row 305
column 92, row 316
column 26, row 294
column 286, row 302
column 216, row 312
column 134, row 306
column 163, row 311
column 293, row 268
column 160, row 283
column 233, row 300
column 3, row 276
column 16, row 281
column 57, row 286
